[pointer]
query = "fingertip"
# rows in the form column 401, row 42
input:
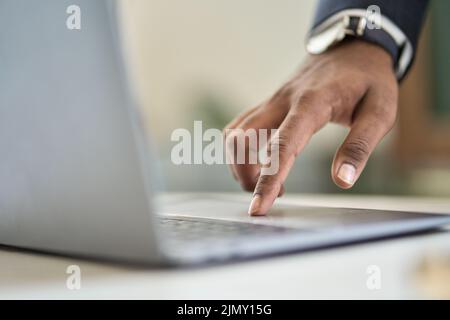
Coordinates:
column 342, row 184
column 255, row 206
column 345, row 177
column 258, row 214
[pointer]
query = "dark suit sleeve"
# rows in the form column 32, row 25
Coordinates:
column 406, row 14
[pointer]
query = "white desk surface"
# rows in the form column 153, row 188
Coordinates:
column 330, row 273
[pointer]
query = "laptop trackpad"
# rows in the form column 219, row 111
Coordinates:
column 284, row 215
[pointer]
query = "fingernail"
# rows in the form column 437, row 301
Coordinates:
column 347, row 173
column 255, row 205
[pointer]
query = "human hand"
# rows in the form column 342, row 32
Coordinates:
column 354, row 85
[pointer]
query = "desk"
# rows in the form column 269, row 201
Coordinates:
column 331, row 273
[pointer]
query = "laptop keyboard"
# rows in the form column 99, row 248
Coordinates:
column 201, row 229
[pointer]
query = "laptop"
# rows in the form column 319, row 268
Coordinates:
column 76, row 173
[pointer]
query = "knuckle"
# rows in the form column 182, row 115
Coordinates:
column 341, row 95
column 386, row 115
column 356, row 150
column 265, row 184
column 282, row 94
column 316, row 103
column 307, row 98
column 386, row 109
column 383, row 111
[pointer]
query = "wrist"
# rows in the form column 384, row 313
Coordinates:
column 357, row 24
column 370, row 51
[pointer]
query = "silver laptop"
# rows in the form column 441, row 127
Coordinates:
column 75, row 166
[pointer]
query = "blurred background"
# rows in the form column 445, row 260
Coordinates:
column 210, row 60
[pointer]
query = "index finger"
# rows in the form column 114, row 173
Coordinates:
column 293, row 134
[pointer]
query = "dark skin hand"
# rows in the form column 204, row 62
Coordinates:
column 354, row 85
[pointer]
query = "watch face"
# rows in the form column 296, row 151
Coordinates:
column 321, row 41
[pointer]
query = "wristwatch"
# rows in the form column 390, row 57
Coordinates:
column 356, row 23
